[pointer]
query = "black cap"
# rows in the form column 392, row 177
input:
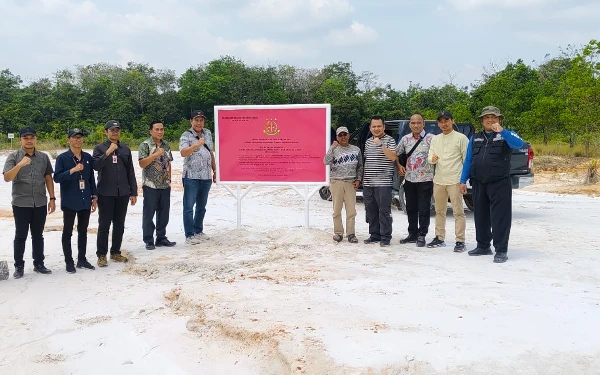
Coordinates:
column 112, row 124
column 27, row 131
column 197, row 113
column 446, row 114
column 74, row 132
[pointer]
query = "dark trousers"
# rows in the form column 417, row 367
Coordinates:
column 156, row 201
column 378, row 209
column 29, row 219
column 83, row 220
column 493, row 213
column 418, row 206
column 111, row 210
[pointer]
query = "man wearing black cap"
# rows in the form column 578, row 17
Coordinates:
column 448, row 151
column 199, row 172
column 488, row 166
column 31, row 174
column 75, row 174
column 117, row 187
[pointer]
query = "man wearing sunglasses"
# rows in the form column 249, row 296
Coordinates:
column 345, row 175
column 199, row 172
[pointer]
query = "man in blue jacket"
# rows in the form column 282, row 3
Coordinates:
column 75, row 174
column 487, row 164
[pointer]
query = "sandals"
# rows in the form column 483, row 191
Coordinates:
column 351, row 238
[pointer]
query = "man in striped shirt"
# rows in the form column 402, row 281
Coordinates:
column 380, row 158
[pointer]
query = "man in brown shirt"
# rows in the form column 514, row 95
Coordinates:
column 30, row 171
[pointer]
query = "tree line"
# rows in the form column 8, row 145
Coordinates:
column 557, row 100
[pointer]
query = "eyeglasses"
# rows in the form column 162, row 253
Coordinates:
column 342, row 134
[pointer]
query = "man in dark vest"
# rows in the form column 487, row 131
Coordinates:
column 487, row 164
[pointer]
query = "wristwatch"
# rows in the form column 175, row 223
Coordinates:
column 52, row 198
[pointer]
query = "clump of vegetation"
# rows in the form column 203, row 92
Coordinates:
column 52, row 147
column 592, row 175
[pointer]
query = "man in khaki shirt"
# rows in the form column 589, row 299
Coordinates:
column 447, row 152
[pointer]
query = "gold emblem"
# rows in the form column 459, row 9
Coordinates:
column 271, row 127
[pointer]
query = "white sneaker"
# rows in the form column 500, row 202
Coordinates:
column 192, row 240
column 201, row 236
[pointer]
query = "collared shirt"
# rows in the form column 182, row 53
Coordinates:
column 29, row 185
column 116, row 176
column 71, row 195
column 451, row 150
column 197, row 165
column 418, row 168
column 156, row 174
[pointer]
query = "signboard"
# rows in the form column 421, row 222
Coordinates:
column 279, row 144
column 11, row 135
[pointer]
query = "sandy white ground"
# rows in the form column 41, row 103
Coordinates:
column 275, row 298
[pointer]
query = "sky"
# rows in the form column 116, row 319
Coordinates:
column 428, row 42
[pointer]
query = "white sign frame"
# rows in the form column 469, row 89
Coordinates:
column 239, row 193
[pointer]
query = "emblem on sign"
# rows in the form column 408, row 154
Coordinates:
column 271, row 127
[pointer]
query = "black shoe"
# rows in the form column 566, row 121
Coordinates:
column 384, row 243
column 436, row 242
column 85, row 264
column 40, row 268
column 421, row 241
column 165, row 242
column 500, row 258
column 150, row 246
column 371, row 240
column 410, row 239
column 460, row 247
column 479, row 251
column 18, row 272
column 71, row 268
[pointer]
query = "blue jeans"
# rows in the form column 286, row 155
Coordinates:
column 195, row 192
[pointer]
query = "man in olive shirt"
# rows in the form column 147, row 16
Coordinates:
column 117, row 187
column 30, row 171
column 448, row 151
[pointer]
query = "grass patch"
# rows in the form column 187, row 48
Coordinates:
column 564, row 150
column 55, row 148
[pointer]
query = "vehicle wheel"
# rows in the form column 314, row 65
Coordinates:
column 469, row 201
column 400, row 201
column 325, row 193
column 432, row 208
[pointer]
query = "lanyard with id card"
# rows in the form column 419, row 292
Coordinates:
column 81, row 180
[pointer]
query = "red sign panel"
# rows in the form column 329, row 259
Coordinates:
column 275, row 144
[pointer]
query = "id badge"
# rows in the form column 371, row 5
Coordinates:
column 81, row 184
column 114, row 159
